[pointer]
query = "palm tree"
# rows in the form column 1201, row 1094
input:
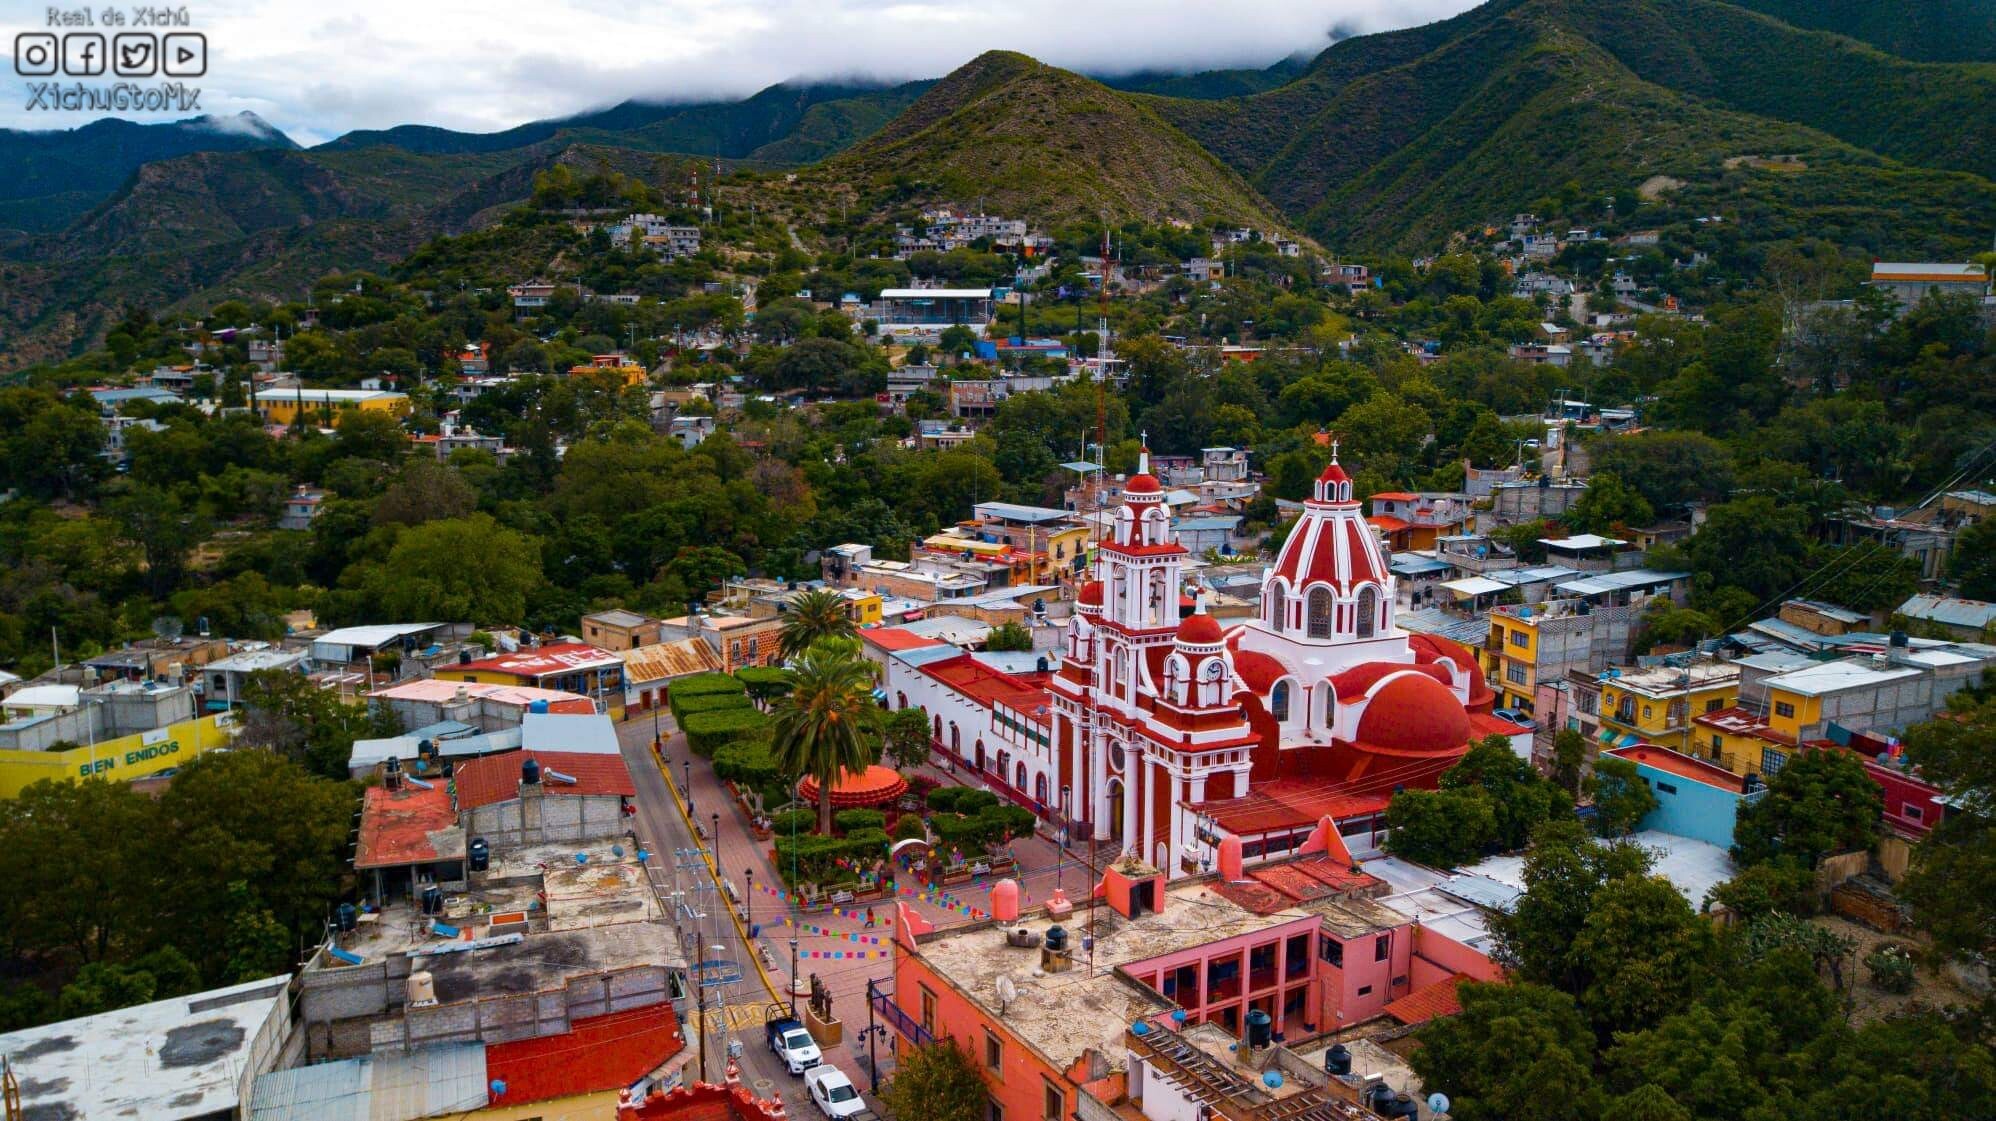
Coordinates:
column 818, row 613
column 825, row 726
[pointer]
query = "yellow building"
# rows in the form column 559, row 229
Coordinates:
column 326, row 406
column 614, row 368
column 863, row 607
column 1660, row 704
column 121, row 759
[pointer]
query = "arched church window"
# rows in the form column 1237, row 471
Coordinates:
column 1319, row 612
column 1278, row 607
column 1278, row 701
column 1368, row 612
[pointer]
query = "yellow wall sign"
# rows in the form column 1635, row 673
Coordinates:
column 121, row 759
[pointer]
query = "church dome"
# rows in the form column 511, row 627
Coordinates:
column 1199, row 630
column 1412, row 712
column 1142, row 484
column 1091, row 594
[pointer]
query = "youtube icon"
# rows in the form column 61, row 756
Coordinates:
column 183, row 55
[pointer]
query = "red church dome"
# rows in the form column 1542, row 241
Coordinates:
column 1412, row 712
column 1091, row 594
column 1199, row 630
column 1142, row 484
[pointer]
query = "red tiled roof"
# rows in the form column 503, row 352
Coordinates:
column 703, row 1102
column 600, row 1053
column 1394, row 496
column 496, row 778
column 988, row 686
column 1424, row 1004
column 1388, row 522
column 1288, row 803
column 1483, row 724
column 895, row 638
column 398, row 827
column 556, row 657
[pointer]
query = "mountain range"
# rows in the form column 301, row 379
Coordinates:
column 1386, row 143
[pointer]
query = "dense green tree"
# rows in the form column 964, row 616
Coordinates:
column 1754, row 544
column 1640, row 955
column 1972, row 561
column 1621, row 798
column 939, row 1082
column 1441, row 828
column 1520, row 799
column 1607, row 505
column 1515, row 1050
column 1821, row 802
column 458, row 568
column 908, row 736
column 1952, row 882
column 1563, row 872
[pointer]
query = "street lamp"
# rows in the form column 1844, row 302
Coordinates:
column 686, row 790
column 793, row 978
column 748, row 900
column 716, row 835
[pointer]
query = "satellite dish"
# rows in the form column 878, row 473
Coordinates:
column 1437, row 1103
column 1007, row 993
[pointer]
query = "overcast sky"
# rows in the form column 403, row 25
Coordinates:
column 316, row 69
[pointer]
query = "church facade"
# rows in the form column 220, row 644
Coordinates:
column 1163, row 732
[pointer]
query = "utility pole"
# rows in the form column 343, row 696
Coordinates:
column 700, row 994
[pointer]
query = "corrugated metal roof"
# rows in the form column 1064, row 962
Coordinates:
column 1950, row 611
column 666, row 660
column 390, row 1086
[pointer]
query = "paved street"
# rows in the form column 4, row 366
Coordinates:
column 682, row 877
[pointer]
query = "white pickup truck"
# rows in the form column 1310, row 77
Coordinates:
column 835, row 1095
column 794, row 1045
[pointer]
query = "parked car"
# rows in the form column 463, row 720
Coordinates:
column 834, row 1094
column 1523, row 719
column 794, row 1045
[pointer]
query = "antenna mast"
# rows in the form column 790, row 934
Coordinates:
column 1101, row 381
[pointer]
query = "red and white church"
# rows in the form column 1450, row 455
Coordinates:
column 1162, row 733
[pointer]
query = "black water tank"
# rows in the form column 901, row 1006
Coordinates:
column 348, row 918
column 426, row 749
column 530, row 772
column 1258, row 1029
column 1056, row 937
column 433, row 900
column 464, row 657
column 1337, row 1060
column 478, row 854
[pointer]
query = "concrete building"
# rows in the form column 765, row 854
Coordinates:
column 1414, row 521
column 1910, row 282
column 618, row 629
column 1694, row 798
column 189, row 1058
column 1627, row 705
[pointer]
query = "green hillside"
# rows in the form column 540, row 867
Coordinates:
column 1929, row 30
column 1394, row 141
column 49, row 178
column 1041, row 143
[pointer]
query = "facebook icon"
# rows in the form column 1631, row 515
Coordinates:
column 83, row 55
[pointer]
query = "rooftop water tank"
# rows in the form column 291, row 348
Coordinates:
column 538, row 708
column 1056, row 937
column 1258, row 1029
column 530, row 772
column 347, row 917
column 433, row 900
column 422, row 989
column 1337, row 1060
column 478, row 854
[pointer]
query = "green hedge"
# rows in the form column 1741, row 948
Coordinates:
column 708, row 732
column 992, row 824
column 765, row 683
column 702, row 684
column 791, row 822
column 850, row 821
column 683, row 707
column 909, row 828
column 813, row 858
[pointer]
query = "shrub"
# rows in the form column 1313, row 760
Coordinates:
column 943, row 798
column 850, row 821
column 1891, row 968
column 708, row 732
column 793, row 822
column 909, row 828
column 972, row 802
